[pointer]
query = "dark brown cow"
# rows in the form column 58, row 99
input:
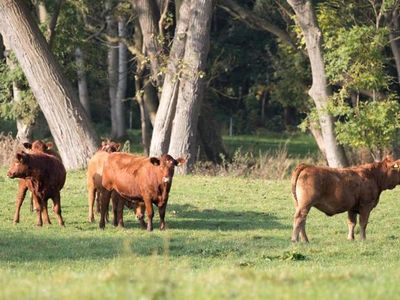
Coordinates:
column 138, row 178
column 47, row 176
column 94, row 175
column 333, row 190
column 37, row 146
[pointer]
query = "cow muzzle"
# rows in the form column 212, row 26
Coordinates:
column 166, row 179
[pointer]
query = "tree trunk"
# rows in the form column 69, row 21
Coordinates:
column 394, row 41
column 112, row 63
column 191, row 89
column 82, row 82
column 166, row 109
column 148, row 15
column 66, row 118
column 122, row 81
column 151, row 102
column 319, row 91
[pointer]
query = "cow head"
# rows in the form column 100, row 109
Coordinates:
column 39, row 146
column 20, row 166
column 391, row 169
column 167, row 165
column 109, row 146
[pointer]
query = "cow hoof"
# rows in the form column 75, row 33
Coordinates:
column 15, row 222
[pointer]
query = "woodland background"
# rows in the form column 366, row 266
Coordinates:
column 183, row 74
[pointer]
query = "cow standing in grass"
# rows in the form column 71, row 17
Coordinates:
column 24, row 185
column 138, row 178
column 94, row 176
column 336, row 190
column 47, row 176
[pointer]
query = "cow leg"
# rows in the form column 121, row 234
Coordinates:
column 299, row 224
column 22, row 189
column 364, row 215
column 57, row 209
column 150, row 213
column 38, row 203
column 120, row 212
column 115, row 201
column 351, row 222
column 139, row 212
column 105, row 201
column 45, row 214
column 91, row 199
column 161, row 211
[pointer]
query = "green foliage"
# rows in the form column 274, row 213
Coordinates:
column 355, row 58
column 26, row 109
column 372, row 124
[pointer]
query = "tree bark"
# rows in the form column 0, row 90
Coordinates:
column 148, row 15
column 319, row 91
column 166, row 109
column 82, row 82
column 112, row 68
column 66, row 118
column 192, row 84
column 122, row 81
column 394, row 40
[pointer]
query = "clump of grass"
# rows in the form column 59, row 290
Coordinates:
column 274, row 165
column 8, row 147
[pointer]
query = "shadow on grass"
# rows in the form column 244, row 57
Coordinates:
column 191, row 218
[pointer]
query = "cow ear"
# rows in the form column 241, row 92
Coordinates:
column 27, row 145
column 22, row 157
column 49, row 145
column 155, row 161
column 389, row 158
column 180, row 161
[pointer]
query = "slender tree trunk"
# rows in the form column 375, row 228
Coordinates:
column 319, row 91
column 166, row 109
column 394, row 40
column 122, row 81
column 112, row 61
column 82, row 82
column 148, row 15
column 24, row 130
column 65, row 116
column 192, row 86
column 151, row 102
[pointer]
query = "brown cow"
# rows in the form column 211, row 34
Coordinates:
column 336, row 190
column 47, row 176
column 138, row 178
column 94, row 175
column 37, row 146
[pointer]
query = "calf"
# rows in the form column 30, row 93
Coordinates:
column 47, row 177
column 138, row 178
column 94, row 175
column 333, row 190
column 37, row 146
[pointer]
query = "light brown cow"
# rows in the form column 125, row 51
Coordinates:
column 47, row 176
column 37, row 146
column 336, row 190
column 94, row 175
column 141, row 179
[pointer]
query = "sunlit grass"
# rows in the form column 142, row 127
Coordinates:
column 227, row 238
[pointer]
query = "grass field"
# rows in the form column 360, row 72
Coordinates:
column 227, row 238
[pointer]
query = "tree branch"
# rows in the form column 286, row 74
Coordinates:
column 253, row 21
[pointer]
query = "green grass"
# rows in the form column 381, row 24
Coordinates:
column 227, row 238
column 298, row 145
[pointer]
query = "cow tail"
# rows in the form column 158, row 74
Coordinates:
column 295, row 176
